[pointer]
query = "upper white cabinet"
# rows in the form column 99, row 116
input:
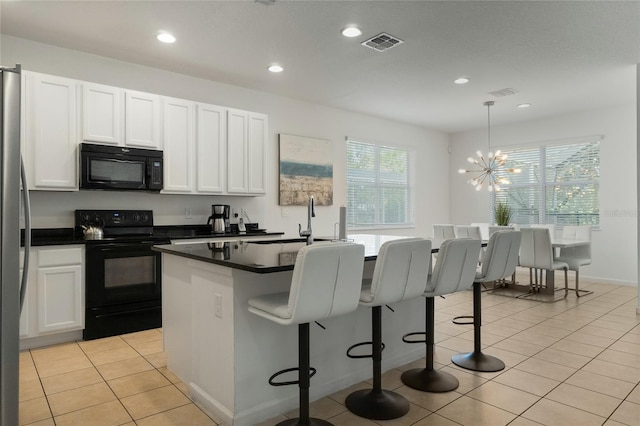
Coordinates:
column 246, row 149
column 257, row 153
column 178, row 123
column 111, row 115
column 142, row 123
column 50, row 132
column 210, row 148
column 194, row 144
column 102, row 114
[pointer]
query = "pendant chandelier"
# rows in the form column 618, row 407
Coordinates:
column 486, row 168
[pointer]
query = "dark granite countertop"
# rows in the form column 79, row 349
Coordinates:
column 263, row 257
column 161, row 234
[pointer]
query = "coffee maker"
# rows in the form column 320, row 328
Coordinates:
column 219, row 218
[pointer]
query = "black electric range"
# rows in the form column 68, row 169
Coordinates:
column 123, row 276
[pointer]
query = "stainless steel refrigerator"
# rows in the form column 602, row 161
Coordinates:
column 11, row 289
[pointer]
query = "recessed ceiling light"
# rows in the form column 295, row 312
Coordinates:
column 461, row 80
column 166, row 38
column 524, row 105
column 275, row 68
column 351, row 31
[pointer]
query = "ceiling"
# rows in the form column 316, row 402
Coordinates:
column 560, row 56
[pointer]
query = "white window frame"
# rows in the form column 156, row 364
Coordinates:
column 409, row 186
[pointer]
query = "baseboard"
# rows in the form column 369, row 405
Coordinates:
column 51, row 339
column 272, row 408
column 606, row 281
column 213, row 408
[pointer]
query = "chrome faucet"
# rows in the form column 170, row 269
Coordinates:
column 311, row 212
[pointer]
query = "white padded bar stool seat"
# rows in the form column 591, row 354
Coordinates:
column 400, row 273
column 326, row 282
column 454, row 271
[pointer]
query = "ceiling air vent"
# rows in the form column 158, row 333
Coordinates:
column 503, row 92
column 382, row 42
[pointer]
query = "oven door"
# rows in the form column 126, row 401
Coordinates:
column 119, row 273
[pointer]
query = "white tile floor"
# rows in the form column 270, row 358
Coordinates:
column 573, row 362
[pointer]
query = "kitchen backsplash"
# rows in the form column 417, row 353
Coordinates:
column 56, row 209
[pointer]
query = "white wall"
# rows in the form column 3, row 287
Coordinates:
column 285, row 116
column 615, row 254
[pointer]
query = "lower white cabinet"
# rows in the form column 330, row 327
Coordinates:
column 55, row 295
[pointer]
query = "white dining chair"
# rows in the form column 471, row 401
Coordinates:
column 484, row 230
column 577, row 256
column 549, row 226
column 443, row 232
column 536, row 252
column 470, row 231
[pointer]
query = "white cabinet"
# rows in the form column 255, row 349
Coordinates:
column 102, row 114
column 55, row 294
column 194, row 144
column 142, row 122
column 246, row 149
column 257, row 145
column 111, row 115
column 210, row 158
column 50, row 129
column 178, row 145
column 60, row 290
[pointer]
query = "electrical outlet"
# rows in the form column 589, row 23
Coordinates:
column 187, row 213
column 217, row 305
column 284, row 212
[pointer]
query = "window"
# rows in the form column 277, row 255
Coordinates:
column 558, row 185
column 378, row 185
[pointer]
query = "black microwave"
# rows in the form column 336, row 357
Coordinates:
column 116, row 167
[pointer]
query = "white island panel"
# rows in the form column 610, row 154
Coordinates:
column 226, row 361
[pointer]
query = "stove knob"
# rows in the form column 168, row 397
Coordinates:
column 136, row 217
column 85, row 217
column 145, row 217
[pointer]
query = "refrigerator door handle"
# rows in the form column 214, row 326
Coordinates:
column 27, row 233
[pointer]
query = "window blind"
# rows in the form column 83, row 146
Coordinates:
column 378, row 187
column 558, row 185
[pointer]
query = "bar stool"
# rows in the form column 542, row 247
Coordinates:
column 326, row 282
column 454, row 271
column 400, row 273
column 499, row 262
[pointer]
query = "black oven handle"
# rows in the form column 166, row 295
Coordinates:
column 129, row 312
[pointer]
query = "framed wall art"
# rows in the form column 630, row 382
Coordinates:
column 306, row 169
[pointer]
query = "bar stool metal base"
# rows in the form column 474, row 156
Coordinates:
column 429, row 380
column 477, row 361
column 312, row 422
column 381, row 405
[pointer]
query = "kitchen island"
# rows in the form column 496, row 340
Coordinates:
column 225, row 354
